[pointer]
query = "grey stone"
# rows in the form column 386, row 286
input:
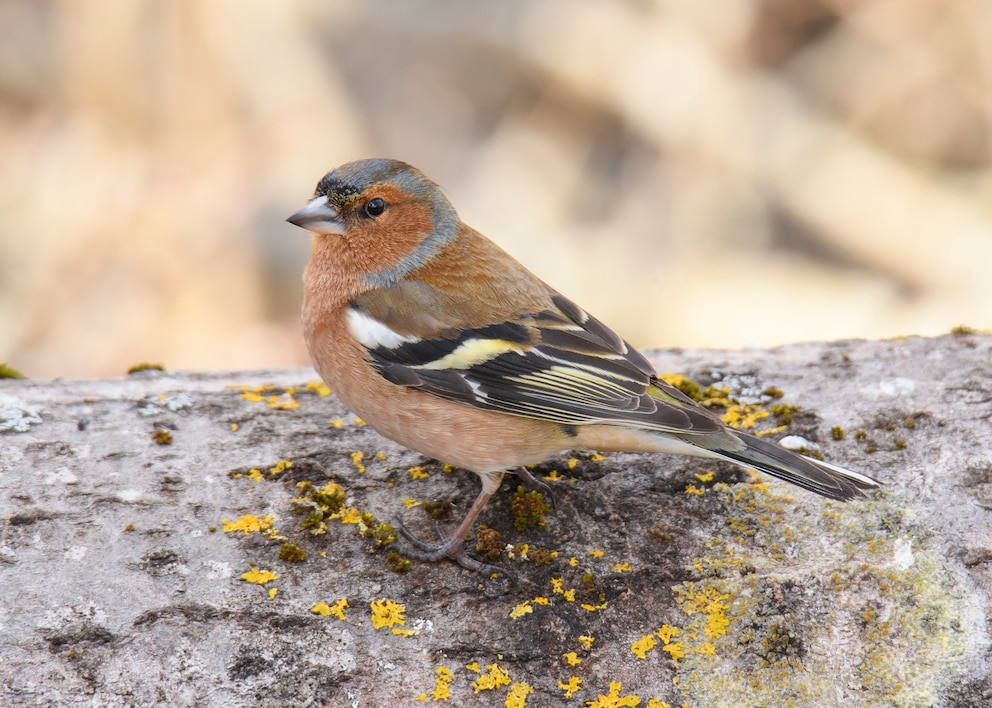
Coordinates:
column 119, row 586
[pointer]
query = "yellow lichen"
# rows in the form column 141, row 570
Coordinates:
column 442, row 684
column 283, row 402
column 258, row 577
column 417, row 473
column 318, row 387
column 386, row 613
column 517, row 695
column 642, row 646
column 573, row 686
column 666, row 633
column 280, row 467
column 558, row 587
column 623, row 567
column 335, row 610
column 356, row 460
column 248, row 524
column 709, row 602
column 348, row 516
column 614, row 700
column 494, row 677
column 585, row 641
column 338, row 608
column 524, row 608
column 572, row 659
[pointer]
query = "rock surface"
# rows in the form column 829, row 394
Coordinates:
column 120, row 586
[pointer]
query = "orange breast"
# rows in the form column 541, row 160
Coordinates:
column 467, row 437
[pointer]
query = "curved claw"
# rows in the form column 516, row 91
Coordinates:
column 414, row 540
column 452, row 548
column 531, row 481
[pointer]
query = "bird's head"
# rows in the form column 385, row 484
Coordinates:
column 385, row 212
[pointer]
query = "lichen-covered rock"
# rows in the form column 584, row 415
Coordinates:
column 226, row 539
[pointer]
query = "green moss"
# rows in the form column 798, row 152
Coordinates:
column 528, row 509
column 314, row 524
column 161, row 436
column 488, row 542
column 837, row 432
column 439, row 509
column 8, row 372
column 145, row 366
column 541, row 557
column 317, row 504
column 687, row 386
column 962, row 330
column 397, row 563
column 382, row 534
column 784, row 413
column 292, row 553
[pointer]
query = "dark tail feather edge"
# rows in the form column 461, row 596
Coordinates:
column 822, row 478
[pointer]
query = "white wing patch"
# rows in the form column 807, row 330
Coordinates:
column 374, row 334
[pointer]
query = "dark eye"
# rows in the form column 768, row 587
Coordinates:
column 375, row 207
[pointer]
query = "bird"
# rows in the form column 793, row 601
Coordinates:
column 444, row 343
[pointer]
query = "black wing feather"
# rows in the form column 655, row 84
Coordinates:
column 564, row 366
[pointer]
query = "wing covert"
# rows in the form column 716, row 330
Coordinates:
column 560, row 365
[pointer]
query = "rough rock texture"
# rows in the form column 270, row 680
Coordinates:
column 119, row 586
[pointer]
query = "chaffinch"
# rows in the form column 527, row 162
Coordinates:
column 443, row 342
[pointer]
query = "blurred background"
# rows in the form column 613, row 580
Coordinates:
column 725, row 174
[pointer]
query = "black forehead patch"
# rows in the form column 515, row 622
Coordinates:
column 338, row 191
column 348, row 181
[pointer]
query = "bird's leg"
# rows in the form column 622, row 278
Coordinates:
column 524, row 474
column 453, row 546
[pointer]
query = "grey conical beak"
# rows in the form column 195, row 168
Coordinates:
column 318, row 216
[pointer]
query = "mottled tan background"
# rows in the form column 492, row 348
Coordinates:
column 695, row 173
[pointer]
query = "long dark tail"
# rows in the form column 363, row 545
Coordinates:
column 823, row 478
